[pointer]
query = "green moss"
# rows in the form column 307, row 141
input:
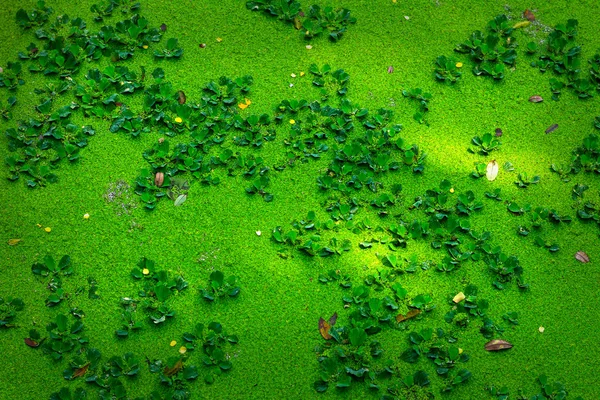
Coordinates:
column 277, row 311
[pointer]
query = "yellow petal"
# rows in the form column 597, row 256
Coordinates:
column 173, row 343
column 145, row 46
column 521, row 24
column 178, row 120
column 460, row 351
column 248, row 102
column 182, row 350
column 146, row 271
column 39, row 225
column 459, row 297
column 13, row 242
column 301, row 73
column 243, row 106
column 219, row 40
column 86, row 216
column 48, row 229
column 459, row 65
column 292, row 121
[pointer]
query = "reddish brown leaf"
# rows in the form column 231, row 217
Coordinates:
column 498, row 132
column 176, row 368
column 552, row 128
column 409, row 315
column 536, row 99
column 529, row 15
column 324, row 327
column 582, row 256
column 497, row 345
column 333, row 319
column 181, row 97
column 390, row 69
column 81, row 371
column 32, row 343
column 163, row 27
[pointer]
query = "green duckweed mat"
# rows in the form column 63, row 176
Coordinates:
column 276, row 313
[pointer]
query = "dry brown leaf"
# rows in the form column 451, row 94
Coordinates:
column 14, row 242
column 409, row 315
column 529, row 15
column 536, row 99
column 159, row 178
column 333, row 319
column 181, row 97
column 498, row 132
column 176, row 368
column 81, row 371
column 324, row 327
column 552, row 128
column 582, row 256
column 497, row 345
column 32, row 343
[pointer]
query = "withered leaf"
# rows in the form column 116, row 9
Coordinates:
column 498, row 132
column 163, row 27
column 181, row 97
column 81, row 371
column 324, row 327
column 297, row 23
column 14, row 242
column 411, row 314
column 582, row 256
column 333, row 319
column 552, row 128
column 175, row 369
column 32, row 343
column 529, row 15
column 497, row 345
column 390, row 69
column 536, row 99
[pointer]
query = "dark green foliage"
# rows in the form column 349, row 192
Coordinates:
column 315, row 22
column 8, row 311
column 423, row 99
column 63, row 337
column 446, row 70
column 36, row 17
column 485, row 144
column 219, row 286
column 171, row 51
column 493, row 50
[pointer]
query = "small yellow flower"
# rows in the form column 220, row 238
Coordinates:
column 145, row 46
column 146, row 271
column 48, row 229
column 302, row 74
column 292, row 121
column 459, row 65
column 182, row 350
column 173, row 343
column 178, row 120
column 451, row 190
column 219, row 40
column 243, row 106
column 86, row 216
column 460, row 351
